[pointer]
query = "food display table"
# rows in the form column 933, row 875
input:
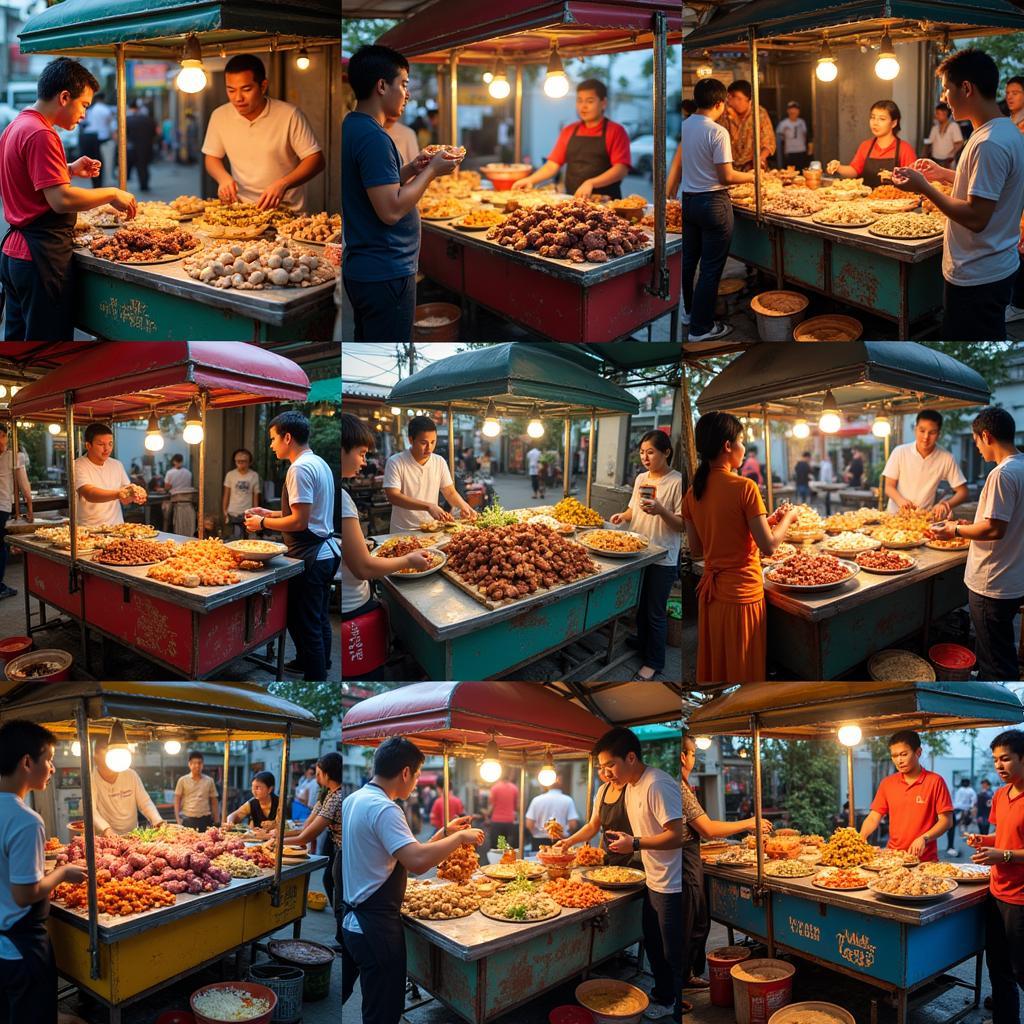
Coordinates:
column 566, row 301
column 892, row 945
column 823, row 634
column 454, row 636
column 142, row 953
column 191, row 631
column 892, row 278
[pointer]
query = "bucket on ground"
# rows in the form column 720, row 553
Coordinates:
column 720, row 962
column 952, row 661
column 286, row 982
column 760, row 987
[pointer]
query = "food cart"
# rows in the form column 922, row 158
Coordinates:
column 478, row 967
column 120, row 960
column 881, row 942
column 568, row 302
column 820, row 635
column 133, row 302
column 193, row 631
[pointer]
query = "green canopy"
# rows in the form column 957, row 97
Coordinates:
column 156, row 29
column 516, row 376
column 325, row 390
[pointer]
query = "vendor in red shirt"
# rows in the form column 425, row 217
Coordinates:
column 884, row 151
column 1003, row 853
column 41, row 205
column 595, row 151
column 455, row 809
column 915, row 799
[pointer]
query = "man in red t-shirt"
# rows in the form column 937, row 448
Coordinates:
column 503, row 800
column 594, row 150
column 41, row 205
column 1003, row 853
column 455, row 809
column 916, row 800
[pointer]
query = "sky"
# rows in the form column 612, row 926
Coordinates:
column 376, row 362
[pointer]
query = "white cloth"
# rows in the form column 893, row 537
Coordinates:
column 244, row 490
column 705, row 143
column 552, row 804
column 995, row 568
column 918, row 478
column 354, row 591
column 964, row 798
column 117, row 804
column 309, row 482
column 943, row 143
column 7, row 479
column 405, row 140
column 375, row 829
column 179, row 480
column 826, row 474
column 263, row 150
column 533, row 461
column 22, row 862
column 101, row 119
column 670, row 494
column 652, row 802
column 424, row 483
column 111, row 477
column 793, row 135
column 991, row 166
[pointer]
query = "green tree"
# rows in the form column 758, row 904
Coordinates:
column 988, row 360
column 322, row 699
column 1007, row 51
column 356, row 32
column 808, row 777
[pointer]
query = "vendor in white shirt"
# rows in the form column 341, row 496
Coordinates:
column 414, row 481
column 118, row 798
column 270, row 144
column 914, row 471
column 100, row 481
column 551, row 804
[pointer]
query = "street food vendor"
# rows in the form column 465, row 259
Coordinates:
column 609, row 815
column 594, row 150
column 415, row 479
column 380, row 852
column 262, row 809
column 916, row 800
column 195, row 796
column 118, row 798
column 101, row 484
column 738, row 121
column 551, row 805
column 914, row 471
column 41, row 205
column 305, row 523
column 28, row 971
column 884, row 151
column 7, row 500
column 269, row 143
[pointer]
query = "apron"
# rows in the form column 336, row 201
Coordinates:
column 698, row 923
column 587, row 157
column 39, row 1002
column 50, row 239
column 872, row 165
column 614, row 817
column 303, row 544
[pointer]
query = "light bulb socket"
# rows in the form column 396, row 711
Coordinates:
column 192, row 51
column 555, row 65
column 825, row 53
column 886, row 49
column 192, row 415
column 829, row 404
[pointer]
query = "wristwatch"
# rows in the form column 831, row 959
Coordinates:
column 956, row 529
column 636, row 843
column 1007, row 856
column 263, row 519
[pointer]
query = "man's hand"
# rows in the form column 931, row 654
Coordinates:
column 907, row 505
column 469, row 515
column 972, row 839
column 521, row 184
column 441, row 164
column 928, row 168
column 471, row 836
column 941, row 511
column 832, row 166
column 73, row 874
column 272, row 195
column 908, row 179
column 85, row 167
column 458, row 824
column 228, row 191
column 257, row 510
column 623, row 843
column 916, row 848
column 254, row 523
column 420, row 160
column 439, row 514
column 585, row 190
column 125, row 202
column 988, row 855
column 29, row 517
column 942, row 531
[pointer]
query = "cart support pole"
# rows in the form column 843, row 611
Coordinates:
column 659, row 285
column 849, row 786
column 286, row 753
column 566, row 458
column 881, row 479
column 755, row 732
column 688, row 438
column 522, row 811
column 447, row 798
column 69, row 426
column 224, row 795
column 517, row 116
column 89, row 838
column 453, row 101
column 590, row 453
column 768, row 457
column 756, row 114
column 202, row 466
column 451, row 441
column 590, row 781
column 13, row 446
column 122, row 117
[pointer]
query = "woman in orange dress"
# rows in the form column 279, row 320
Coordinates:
column 727, row 523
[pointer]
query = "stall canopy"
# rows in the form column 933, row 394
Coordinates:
column 901, row 376
column 526, row 720
column 616, row 355
column 128, row 380
column 800, row 24
column 157, row 29
column 523, row 31
column 816, row 710
column 626, row 703
column 156, row 711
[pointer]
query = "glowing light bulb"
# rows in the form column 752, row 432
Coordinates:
column 881, row 427
column 193, row 433
column 491, row 428
column 76, row 748
column 490, row 771
column 703, row 742
column 547, row 776
column 191, row 78
column 118, row 759
column 887, row 68
column 829, row 422
column 54, row 428
column 849, row 735
column 556, row 84
column 826, row 70
column 801, row 429
column 499, row 87
column 535, row 428
column 395, row 411
column 302, row 60
column 172, row 747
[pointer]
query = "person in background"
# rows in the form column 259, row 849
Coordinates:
column 854, row 472
column 118, row 798
column 100, row 480
column 884, row 151
column 533, row 468
column 455, row 809
column 945, row 140
column 826, row 471
column 792, row 134
column 965, row 802
column 751, row 468
column 141, row 133
column 1015, row 100
column 177, row 480
column 195, row 797
column 7, row 501
column 262, row 809
column 308, row 789
column 802, row 477
column 241, row 490
column 984, row 806
column 96, row 136
column 502, row 801
column 738, row 120
column 552, row 803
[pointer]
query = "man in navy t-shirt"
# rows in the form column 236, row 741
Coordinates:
column 378, row 199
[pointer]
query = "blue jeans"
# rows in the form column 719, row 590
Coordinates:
column 706, row 237
column 652, row 613
column 992, row 618
column 662, row 919
column 803, row 492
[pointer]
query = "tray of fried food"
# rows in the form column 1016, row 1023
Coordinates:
column 187, row 207
column 206, row 563
column 441, row 207
column 156, row 215
column 856, row 519
column 315, row 229
column 256, row 550
column 614, row 543
column 890, row 860
column 913, row 886
column 846, row 215
column 441, row 902
column 885, row 563
column 795, row 203
column 846, row 849
column 841, row 878
column 673, row 217
column 782, row 552
column 589, row 857
column 908, row 226
column 972, row 874
column 520, row 906
column 61, row 535
column 105, row 216
column 849, row 543
column 135, row 552
column 233, row 220
column 258, row 265
column 144, row 245
column 126, row 531
column 482, row 219
column 737, row 857
column 795, row 868
column 898, row 537
column 574, row 895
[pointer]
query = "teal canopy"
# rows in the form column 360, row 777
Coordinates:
column 325, row 390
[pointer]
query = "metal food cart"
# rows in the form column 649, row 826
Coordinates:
column 879, row 941
column 123, row 960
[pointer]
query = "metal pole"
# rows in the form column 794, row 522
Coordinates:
column 756, row 114
column 227, row 756
column 659, row 265
column 453, row 86
column 849, row 786
column 768, row 457
column 881, row 479
column 451, row 442
column 590, row 452
column 275, row 887
column 517, row 116
column 122, row 116
column 688, row 438
column 522, row 809
column 567, row 440
column 69, row 426
column 590, row 782
column 755, row 729
column 202, row 465
column 13, row 439
column 444, row 754
column 89, row 837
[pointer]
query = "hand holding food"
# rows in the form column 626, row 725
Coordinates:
column 227, row 192
column 439, row 514
column 418, row 561
column 987, row 855
column 972, row 839
column 832, row 166
column 554, row 829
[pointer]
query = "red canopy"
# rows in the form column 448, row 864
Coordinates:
column 524, row 718
column 126, row 380
column 523, row 30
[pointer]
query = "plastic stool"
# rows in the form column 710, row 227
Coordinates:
column 364, row 643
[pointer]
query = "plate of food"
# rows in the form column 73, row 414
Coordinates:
column 809, row 573
column 441, row 902
column 614, row 543
column 890, row 860
column 908, row 226
column 135, row 552
column 849, row 544
column 789, row 868
column 520, row 907
column 912, row 886
column 898, row 538
column 782, row 552
column 845, row 215
column 970, row 874
column 737, row 857
column 257, row 550
column 886, row 563
column 437, row 562
column 478, row 220
column 614, row 877
column 529, row 869
column 844, row 879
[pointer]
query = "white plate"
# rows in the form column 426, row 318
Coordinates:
column 411, row 576
column 913, row 899
column 802, row 589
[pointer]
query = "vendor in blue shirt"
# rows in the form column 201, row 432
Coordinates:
column 379, row 197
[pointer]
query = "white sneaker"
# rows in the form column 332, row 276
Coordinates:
column 685, row 317
column 1013, row 313
column 657, row 1010
column 952, row 853
column 718, row 330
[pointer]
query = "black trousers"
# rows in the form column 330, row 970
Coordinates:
column 992, row 619
column 28, row 989
column 331, row 853
column 698, row 915
column 381, row 974
column 309, row 623
column 1018, row 286
column 199, row 824
column 663, row 926
column 1004, row 952
column 32, row 313
column 976, row 313
column 383, row 310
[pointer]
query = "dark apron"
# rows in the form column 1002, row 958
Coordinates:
column 50, row 239
column 587, row 157
column 872, row 165
column 32, row 998
column 613, row 817
column 302, row 544
column 698, row 924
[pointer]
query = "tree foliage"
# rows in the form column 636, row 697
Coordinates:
column 1007, row 51
column 806, row 775
column 322, row 699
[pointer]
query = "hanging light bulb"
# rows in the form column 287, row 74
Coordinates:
column 535, row 428
column 488, row 77
column 396, row 411
column 801, row 428
column 191, row 77
column 826, row 69
column 76, row 748
column 54, row 428
column 703, row 742
column 172, row 747
column 547, row 776
column 3, row 390
column 302, row 60
column 119, row 755
column 887, row 67
column 154, row 439
column 499, row 87
column 490, row 766
column 491, row 427
column 849, row 735
column 193, row 432
column 830, row 420
column 880, row 426
column 556, row 82
column 14, row 389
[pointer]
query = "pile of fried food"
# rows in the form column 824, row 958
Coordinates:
column 206, row 563
column 782, row 552
column 806, row 526
column 509, row 562
column 840, row 878
column 554, row 829
column 460, row 865
column 142, row 245
column 132, row 492
column 908, row 225
column 928, row 206
column 617, row 876
column 234, row 220
column 441, row 207
column 898, row 535
column 156, row 215
column 903, row 882
column 889, row 860
column 135, row 552
column 449, row 150
column 570, row 510
column 118, row 897
column 258, row 265
column 577, row 895
column 481, row 218
column 789, row 868
column 103, row 217
column 316, row 227
column 589, row 856
column 845, row 215
column 960, row 872
column 436, row 558
column 441, row 903
column 188, row 206
column 884, row 561
column 673, row 217
column 853, row 520
column 395, row 547
column 850, row 541
column 614, row 540
column 126, row 531
column 846, row 849
column 795, row 203
column 578, row 231
column 803, row 570
column 519, row 903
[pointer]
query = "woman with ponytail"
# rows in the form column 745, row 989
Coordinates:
column 727, row 525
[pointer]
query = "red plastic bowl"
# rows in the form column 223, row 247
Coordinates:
column 176, row 1017
column 952, row 656
column 567, row 1015
column 12, row 646
column 259, row 991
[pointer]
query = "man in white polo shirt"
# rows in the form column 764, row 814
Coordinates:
column 269, row 143
column 914, row 471
column 101, row 483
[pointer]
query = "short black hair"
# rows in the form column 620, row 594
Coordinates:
column 291, row 422
column 1015, row 80
column 944, row 107
column 965, row 782
column 593, row 85
column 193, row 754
column 660, row 440
column 177, row 457
column 394, row 754
column 619, row 742
column 355, row 433
column 4, row 428
column 708, row 93
column 238, row 451
column 908, row 736
column 1012, row 739
column 929, row 414
column 246, row 62
column 741, row 85
column 689, row 107
column 267, row 778
column 806, row 455
column 65, row 74
column 330, row 765
column 371, row 63
column 998, row 422
column 792, row 103
column 420, row 425
column 95, row 430
column 974, row 66
column 985, row 782
column 19, row 737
